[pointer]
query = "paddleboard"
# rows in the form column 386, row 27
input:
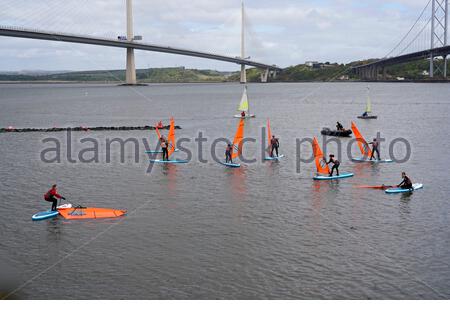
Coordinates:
column 168, row 161
column 44, row 215
column 416, row 186
column 341, row 176
column 274, row 158
column 372, row 161
column 77, row 213
column 231, row 165
column 159, row 151
column 239, row 116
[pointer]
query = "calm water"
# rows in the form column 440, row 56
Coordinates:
column 201, row 231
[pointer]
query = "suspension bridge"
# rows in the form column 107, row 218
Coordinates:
column 426, row 39
column 131, row 43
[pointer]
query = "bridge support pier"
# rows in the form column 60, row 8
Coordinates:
column 130, row 77
column 445, row 66
column 265, row 75
column 243, row 74
column 131, row 68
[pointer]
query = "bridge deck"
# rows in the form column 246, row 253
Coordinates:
column 51, row 36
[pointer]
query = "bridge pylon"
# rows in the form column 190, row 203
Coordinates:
column 130, row 77
column 439, row 26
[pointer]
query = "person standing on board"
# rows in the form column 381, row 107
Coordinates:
column 375, row 144
column 243, row 114
column 274, row 145
column 406, row 182
column 53, row 196
column 339, row 126
column 164, row 147
column 228, row 152
column 335, row 163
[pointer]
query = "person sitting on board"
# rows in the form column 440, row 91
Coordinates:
column 375, row 144
column 365, row 114
column 335, row 163
column 243, row 114
column 53, row 196
column 406, row 182
column 228, row 152
column 164, row 147
column 274, row 145
column 339, row 126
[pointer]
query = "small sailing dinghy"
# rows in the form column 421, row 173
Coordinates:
column 172, row 143
column 367, row 113
column 365, row 149
column 237, row 146
column 323, row 172
column 415, row 186
column 244, row 106
column 268, row 149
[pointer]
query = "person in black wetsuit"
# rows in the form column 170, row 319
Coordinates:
column 228, row 153
column 335, row 163
column 164, row 147
column 53, row 196
column 339, row 126
column 406, row 182
column 375, row 144
column 365, row 114
column 274, row 145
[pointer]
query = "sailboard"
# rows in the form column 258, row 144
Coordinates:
column 244, row 106
column 323, row 172
column 237, row 145
column 78, row 213
column 171, row 145
column 415, row 186
column 157, row 127
column 365, row 149
column 269, row 140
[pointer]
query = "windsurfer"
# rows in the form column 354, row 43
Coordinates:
column 164, row 147
column 228, row 152
column 375, row 144
column 406, row 182
column 53, row 196
column 335, row 163
column 274, row 145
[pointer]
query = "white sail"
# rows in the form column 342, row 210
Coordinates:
column 243, row 105
column 369, row 103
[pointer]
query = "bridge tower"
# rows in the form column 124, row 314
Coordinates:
column 243, row 73
column 131, row 68
column 439, row 26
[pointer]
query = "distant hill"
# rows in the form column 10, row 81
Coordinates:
column 153, row 75
column 414, row 71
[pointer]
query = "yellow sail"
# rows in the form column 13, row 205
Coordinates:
column 237, row 142
column 243, row 105
column 369, row 103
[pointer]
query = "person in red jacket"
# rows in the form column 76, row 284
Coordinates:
column 53, row 196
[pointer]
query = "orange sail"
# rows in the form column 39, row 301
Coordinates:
column 237, row 142
column 78, row 213
column 321, row 165
column 158, row 133
column 362, row 143
column 269, row 135
column 171, row 137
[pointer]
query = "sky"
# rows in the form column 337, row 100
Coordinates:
column 282, row 32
